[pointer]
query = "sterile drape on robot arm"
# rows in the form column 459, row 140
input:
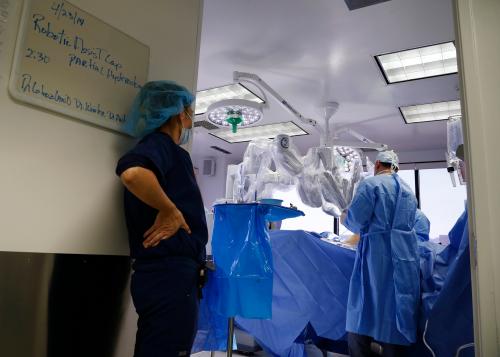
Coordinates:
column 268, row 181
column 286, row 157
column 454, row 135
column 325, row 177
column 370, row 168
column 338, row 185
column 454, row 140
column 331, row 209
column 255, row 158
column 309, row 185
column 356, row 177
column 256, row 178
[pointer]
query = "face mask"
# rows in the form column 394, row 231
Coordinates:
column 186, row 134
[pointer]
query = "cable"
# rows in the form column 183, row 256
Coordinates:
column 425, row 342
column 463, row 347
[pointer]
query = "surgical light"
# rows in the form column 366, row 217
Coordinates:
column 422, row 62
column 234, row 112
column 205, row 98
column 347, row 156
column 268, row 131
column 430, row 112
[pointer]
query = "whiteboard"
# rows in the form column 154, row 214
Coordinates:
column 69, row 61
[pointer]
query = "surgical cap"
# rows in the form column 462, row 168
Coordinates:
column 156, row 103
column 388, row 157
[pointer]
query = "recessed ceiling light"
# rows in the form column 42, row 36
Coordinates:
column 430, row 112
column 268, row 131
column 422, row 62
column 205, row 98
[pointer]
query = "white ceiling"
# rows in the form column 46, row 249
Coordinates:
column 311, row 51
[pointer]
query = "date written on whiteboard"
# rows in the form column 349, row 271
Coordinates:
column 38, row 56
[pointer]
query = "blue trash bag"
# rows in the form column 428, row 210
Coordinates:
column 243, row 279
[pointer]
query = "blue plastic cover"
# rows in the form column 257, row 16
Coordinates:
column 447, row 296
column 311, row 283
column 212, row 327
column 243, row 281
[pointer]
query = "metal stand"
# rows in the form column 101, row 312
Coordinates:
column 230, row 333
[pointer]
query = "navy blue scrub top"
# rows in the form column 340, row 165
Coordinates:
column 174, row 171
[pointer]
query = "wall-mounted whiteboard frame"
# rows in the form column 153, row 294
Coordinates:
column 90, row 93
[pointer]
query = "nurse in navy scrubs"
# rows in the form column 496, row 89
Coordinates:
column 165, row 220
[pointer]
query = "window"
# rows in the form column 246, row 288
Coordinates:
column 408, row 176
column 440, row 201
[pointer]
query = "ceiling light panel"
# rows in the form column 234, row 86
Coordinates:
column 430, row 112
column 423, row 62
column 205, row 98
column 269, row 131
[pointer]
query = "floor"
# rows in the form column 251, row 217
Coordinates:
column 263, row 354
column 223, row 354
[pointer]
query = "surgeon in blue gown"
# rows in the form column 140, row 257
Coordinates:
column 422, row 226
column 165, row 219
column 384, row 288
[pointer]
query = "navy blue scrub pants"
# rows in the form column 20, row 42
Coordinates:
column 360, row 346
column 165, row 295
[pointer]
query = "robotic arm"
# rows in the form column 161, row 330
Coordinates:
column 325, row 177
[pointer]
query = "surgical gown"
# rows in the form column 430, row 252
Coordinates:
column 384, row 288
column 422, row 226
column 447, row 298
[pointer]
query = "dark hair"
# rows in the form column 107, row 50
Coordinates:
column 387, row 165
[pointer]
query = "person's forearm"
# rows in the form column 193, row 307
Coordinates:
column 145, row 186
column 343, row 216
column 352, row 240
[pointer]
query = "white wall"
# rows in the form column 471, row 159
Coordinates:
column 477, row 38
column 212, row 187
column 58, row 189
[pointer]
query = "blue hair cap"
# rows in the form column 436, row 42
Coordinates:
column 154, row 105
column 388, row 157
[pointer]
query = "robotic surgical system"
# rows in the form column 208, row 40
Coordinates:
column 325, row 177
